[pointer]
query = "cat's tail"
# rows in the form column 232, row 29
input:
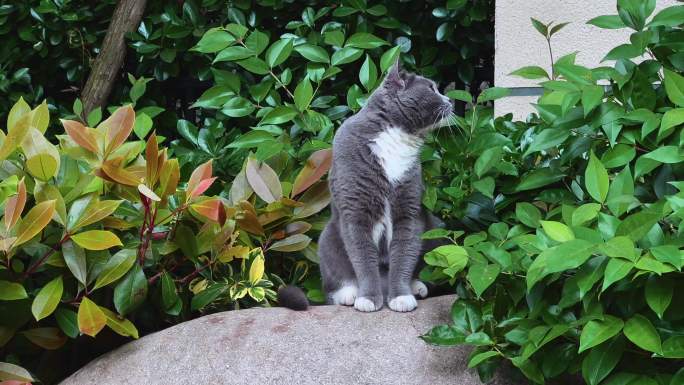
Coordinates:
column 292, row 297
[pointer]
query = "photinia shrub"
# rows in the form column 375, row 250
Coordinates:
column 101, row 231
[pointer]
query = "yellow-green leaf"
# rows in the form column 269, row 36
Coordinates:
column 42, row 157
column 121, row 326
column 10, row 291
column 34, row 222
column 47, row 299
column 256, row 271
column 596, row 179
column 96, row 239
column 40, row 117
column 557, row 231
column 11, row 372
column 95, row 212
column 116, row 267
column 90, row 318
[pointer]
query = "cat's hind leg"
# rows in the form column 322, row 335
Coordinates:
column 337, row 273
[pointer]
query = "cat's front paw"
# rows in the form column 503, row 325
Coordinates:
column 403, row 303
column 418, row 288
column 346, row 295
column 366, row 304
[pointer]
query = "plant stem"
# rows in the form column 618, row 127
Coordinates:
column 553, row 70
column 45, row 256
column 194, row 273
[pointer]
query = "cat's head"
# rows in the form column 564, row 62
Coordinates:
column 413, row 101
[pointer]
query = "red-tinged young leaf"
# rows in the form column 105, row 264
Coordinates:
column 113, row 170
column 210, row 209
column 202, row 172
column 118, row 127
column 15, row 205
column 152, row 158
column 81, row 135
column 202, row 187
column 316, row 166
column 34, row 222
column 90, row 318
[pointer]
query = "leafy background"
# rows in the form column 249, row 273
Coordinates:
column 237, row 102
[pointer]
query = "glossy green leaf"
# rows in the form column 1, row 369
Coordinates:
column 47, row 299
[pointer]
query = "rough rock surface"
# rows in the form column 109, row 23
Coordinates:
column 323, row 345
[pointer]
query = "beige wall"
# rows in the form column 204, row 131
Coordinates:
column 518, row 44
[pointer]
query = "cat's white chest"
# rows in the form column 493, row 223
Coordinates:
column 396, row 151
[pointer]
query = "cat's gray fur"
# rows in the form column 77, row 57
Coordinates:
column 371, row 246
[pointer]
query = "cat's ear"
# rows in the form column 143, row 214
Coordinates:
column 393, row 80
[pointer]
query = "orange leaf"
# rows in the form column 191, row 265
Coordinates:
column 113, row 168
column 151, row 157
column 209, row 208
column 81, row 135
column 118, row 127
column 316, row 166
column 15, row 205
column 202, row 172
column 248, row 220
column 90, row 318
column 202, row 187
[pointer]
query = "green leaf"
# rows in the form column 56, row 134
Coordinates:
column 669, row 17
column 452, row 258
column 616, row 269
column 303, row 94
column 313, row 53
column 621, row 192
column 279, row 115
column 538, row 178
column 493, row 93
column 592, row 96
column 444, row 335
column 75, row 259
column 206, row 296
column 169, row 294
column 67, row 321
column 673, row 347
column 674, row 86
column 257, row 42
column 659, row 292
column 542, row 28
column 47, row 299
column 528, row 214
column 10, row 291
column 624, row 51
column 671, row 118
column 389, row 57
column 116, row 267
column 345, row 55
column 531, row 72
column 213, row 40
column 547, row 138
column 131, row 291
column 596, row 179
column 557, row 231
column 601, row 361
column 487, row 160
column 368, row 75
column 278, row 52
column 481, row 276
column 607, row 22
column 238, row 107
column 254, row 65
column 461, row 95
column 566, row 256
column 364, row 40
column 641, row 332
column 597, row 331
column 233, row 53
column 10, row 372
column 480, row 358
column 585, row 213
column 636, row 226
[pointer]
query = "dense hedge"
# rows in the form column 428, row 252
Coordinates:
column 578, row 267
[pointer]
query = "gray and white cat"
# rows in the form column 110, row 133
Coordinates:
column 370, row 249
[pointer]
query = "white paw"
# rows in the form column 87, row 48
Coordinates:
column 418, row 288
column 364, row 304
column 345, row 295
column 403, row 303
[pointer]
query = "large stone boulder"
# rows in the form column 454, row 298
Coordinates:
column 324, row 345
